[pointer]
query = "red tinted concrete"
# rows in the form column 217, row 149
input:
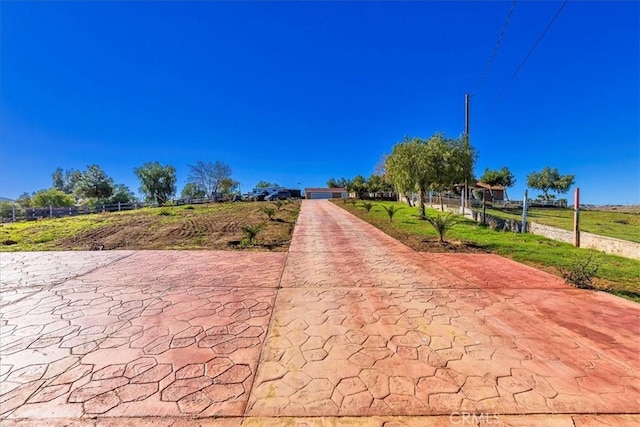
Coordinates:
column 365, row 325
column 141, row 334
column 349, row 328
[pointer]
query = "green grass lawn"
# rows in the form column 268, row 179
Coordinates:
column 618, row 225
column 621, row 275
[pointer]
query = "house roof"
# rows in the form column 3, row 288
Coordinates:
column 325, row 190
column 489, row 187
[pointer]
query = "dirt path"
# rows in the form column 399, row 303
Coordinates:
column 348, row 323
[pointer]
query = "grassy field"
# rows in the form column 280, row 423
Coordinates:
column 619, row 225
column 212, row 226
column 615, row 274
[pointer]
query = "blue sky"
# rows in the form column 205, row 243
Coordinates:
column 298, row 92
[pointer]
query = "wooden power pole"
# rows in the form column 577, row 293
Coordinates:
column 465, row 193
column 466, row 115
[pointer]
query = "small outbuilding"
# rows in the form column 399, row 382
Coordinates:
column 495, row 192
column 325, row 193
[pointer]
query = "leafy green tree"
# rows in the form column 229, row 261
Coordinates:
column 437, row 168
column 379, row 183
column 345, row 183
column 209, row 176
column 51, row 197
column 550, row 180
column 24, row 200
column 58, row 179
column 463, row 161
column 359, row 185
column 192, row 191
column 333, row 183
column 227, row 186
column 66, row 180
column 157, row 182
column 122, row 194
column 401, row 168
column 94, row 184
column 266, row 184
column 374, row 183
column 435, row 164
column 502, row 177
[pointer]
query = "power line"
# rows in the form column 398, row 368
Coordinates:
column 494, row 52
column 515, row 73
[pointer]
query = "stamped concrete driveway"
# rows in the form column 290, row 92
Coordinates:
column 348, row 327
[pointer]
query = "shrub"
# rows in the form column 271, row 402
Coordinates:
column 367, row 206
column 250, row 233
column 391, row 211
column 580, row 274
column 622, row 221
column 279, row 204
column 188, row 207
column 442, row 224
column 166, row 212
column 269, row 212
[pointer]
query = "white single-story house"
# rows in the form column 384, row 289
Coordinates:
column 325, row 193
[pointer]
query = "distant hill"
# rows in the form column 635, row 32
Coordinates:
column 4, row 199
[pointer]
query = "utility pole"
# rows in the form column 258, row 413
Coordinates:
column 465, row 193
column 466, row 114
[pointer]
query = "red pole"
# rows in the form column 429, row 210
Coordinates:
column 576, row 219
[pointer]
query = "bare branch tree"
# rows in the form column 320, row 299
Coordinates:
column 208, row 176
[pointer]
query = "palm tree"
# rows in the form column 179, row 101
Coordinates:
column 270, row 212
column 442, row 224
column 391, row 211
column 250, row 233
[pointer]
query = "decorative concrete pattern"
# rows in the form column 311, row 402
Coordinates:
column 139, row 339
column 400, row 352
column 198, row 268
column 366, row 326
column 350, row 324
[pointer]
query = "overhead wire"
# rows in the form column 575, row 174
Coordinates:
column 533, row 48
column 496, row 47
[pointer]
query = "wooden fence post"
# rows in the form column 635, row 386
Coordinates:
column 484, row 206
column 524, row 211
